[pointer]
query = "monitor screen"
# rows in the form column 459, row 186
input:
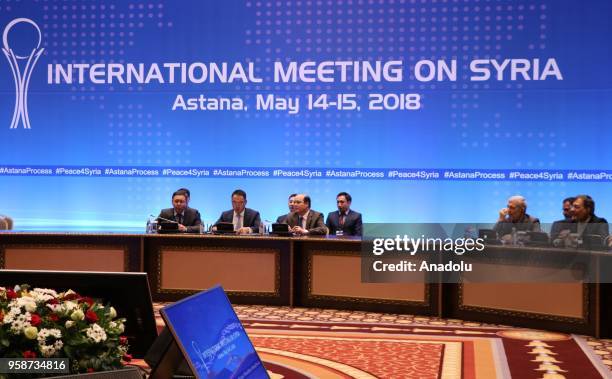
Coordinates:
column 211, row 337
column 127, row 292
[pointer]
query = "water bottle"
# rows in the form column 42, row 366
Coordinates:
column 151, row 226
column 514, row 237
column 262, row 228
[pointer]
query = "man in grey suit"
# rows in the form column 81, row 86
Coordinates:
column 188, row 219
column 303, row 220
column 245, row 220
column 345, row 219
column 283, row 219
column 515, row 216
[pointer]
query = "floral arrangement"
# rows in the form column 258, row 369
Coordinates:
column 41, row 323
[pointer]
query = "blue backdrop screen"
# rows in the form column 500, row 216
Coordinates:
column 423, row 111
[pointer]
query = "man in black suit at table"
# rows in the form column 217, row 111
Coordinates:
column 345, row 219
column 303, row 220
column 283, row 219
column 561, row 225
column 245, row 220
column 188, row 219
column 586, row 223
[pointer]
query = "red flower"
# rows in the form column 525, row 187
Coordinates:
column 91, row 316
column 35, row 319
column 127, row 357
column 10, row 294
column 71, row 296
column 29, row 354
column 53, row 301
column 87, row 300
column 90, row 369
column 1, row 316
column 123, row 340
column 53, row 317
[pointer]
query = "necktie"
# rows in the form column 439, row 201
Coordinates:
column 300, row 220
column 342, row 218
column 238, row 222
column 179, row 218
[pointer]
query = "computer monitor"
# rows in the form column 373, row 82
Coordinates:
column 211, row 337
column 488, row 235
column 127, row 292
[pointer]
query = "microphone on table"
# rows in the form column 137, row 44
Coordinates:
column 164, row 219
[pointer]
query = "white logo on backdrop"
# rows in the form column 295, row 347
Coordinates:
column 22, row 79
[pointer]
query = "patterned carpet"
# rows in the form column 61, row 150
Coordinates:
column 306, row 343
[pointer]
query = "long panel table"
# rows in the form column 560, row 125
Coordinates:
column 313, row 272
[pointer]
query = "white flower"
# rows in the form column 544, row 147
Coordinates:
column 24, row 302
column 70, row 305
column 112, row 312
column 12, row 313
column 31, row 332
column 41, row 295
column 46, row 349
column 70, row 324
column 44, row 333
column 30, row 306
column 46, row 291
column 20, row 322
column 96, row 333
column 117, row 326
column 77, row 315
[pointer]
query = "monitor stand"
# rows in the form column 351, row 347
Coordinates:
column 166, row 359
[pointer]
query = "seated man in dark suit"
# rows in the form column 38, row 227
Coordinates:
column 188, row 219
column 245, row 220
column 561, row 225
column 345, row 219
column 585, row 221
column 303, row 220
column 515, row 216
column 283, row 219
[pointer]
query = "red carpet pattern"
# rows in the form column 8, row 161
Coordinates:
column 303, row 343
column 379, row 358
